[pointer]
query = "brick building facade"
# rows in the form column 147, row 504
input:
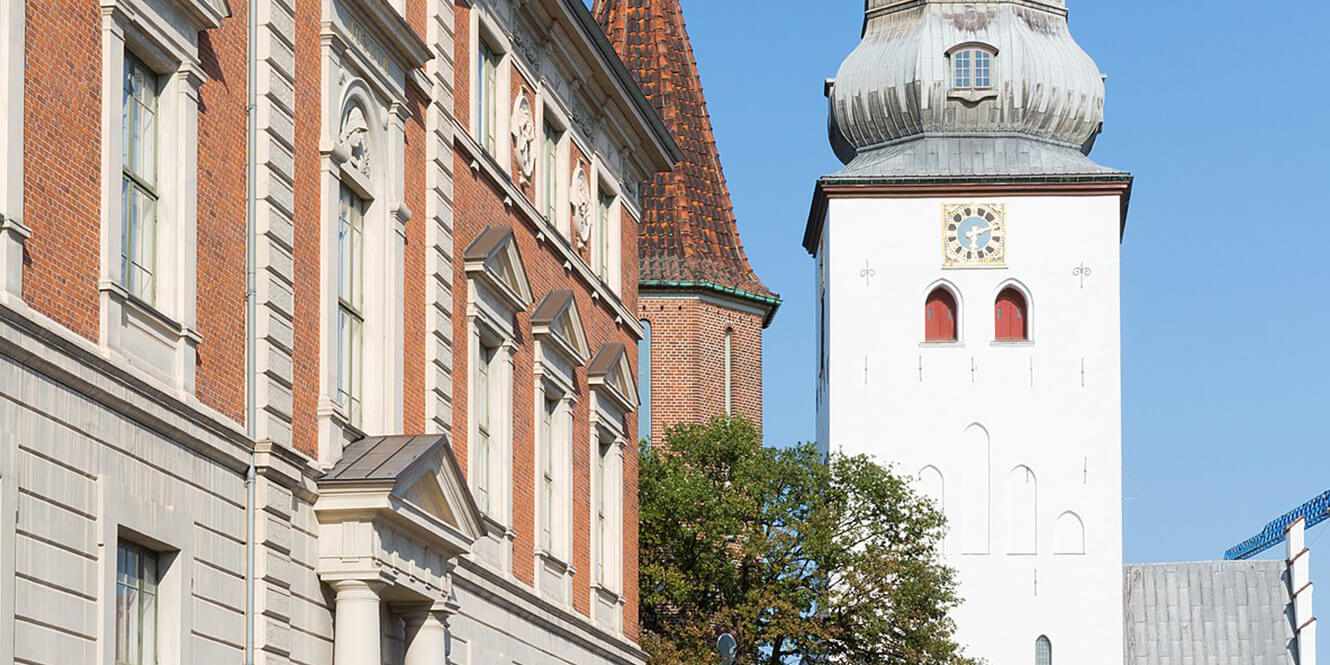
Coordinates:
column 414, row 427
column 701, row 301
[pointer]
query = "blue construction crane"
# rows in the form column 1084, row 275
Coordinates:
column 1315, row 511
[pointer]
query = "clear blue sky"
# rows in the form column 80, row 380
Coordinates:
column 1220, row 109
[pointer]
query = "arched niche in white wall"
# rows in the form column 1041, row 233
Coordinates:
column 932, row 486
column 1022, row 510
column 1069, row 534
column 975, row 507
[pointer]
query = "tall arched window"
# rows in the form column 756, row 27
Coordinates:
column 1043, row 651
column 1012, row 316
column 940, row 316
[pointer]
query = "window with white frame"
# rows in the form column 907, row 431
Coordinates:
column 487, row 89
column 604, row 529
column 549, row 167
column 136, row 606
column 484, row 427
column 548, row 474
column 350, row 304
column 603, row 234
column 972, row 68
column 138, row 245
column 151, row 74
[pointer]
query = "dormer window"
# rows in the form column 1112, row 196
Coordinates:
column 972, row 71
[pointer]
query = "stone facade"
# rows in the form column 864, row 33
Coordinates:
column 244, row 449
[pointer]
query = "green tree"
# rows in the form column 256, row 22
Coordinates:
column 805, row 560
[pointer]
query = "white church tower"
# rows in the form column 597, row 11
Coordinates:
column 967, row 270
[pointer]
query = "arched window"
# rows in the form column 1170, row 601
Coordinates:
column 940, row 316
column 1012, row 316
column 1043, row 651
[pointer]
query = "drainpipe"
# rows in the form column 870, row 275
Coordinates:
column 251, row 415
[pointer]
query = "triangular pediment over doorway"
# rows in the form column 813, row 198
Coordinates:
column 414, row 479
column 494, row 259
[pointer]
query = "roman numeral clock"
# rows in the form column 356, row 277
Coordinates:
column 974, row 235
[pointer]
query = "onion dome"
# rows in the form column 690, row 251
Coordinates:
column 982, row 88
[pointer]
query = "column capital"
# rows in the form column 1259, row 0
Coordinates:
column 357, row 588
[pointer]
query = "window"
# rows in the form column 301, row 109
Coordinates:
column 1011, row 314
column 138, row 247
column 487, row 85
column 972, row 69
column 605, row 202
column 602, row 489
column 1043, row 651
column 484, row 439
column 137, row 576
column 729, row 371
column 940, row 316
column 549, row 190
column 547, row 488
column 644, row 383
column 350, row 303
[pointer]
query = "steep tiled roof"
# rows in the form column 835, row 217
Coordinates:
column 689, row 235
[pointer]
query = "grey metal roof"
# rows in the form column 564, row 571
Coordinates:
column 1224, row 612
column 606, row 357
column 489, row 240
column 970, row 156
column 383, row 458
column 551, row 307
column 897, row 84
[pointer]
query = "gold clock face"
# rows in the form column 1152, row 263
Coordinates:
column 974, row 235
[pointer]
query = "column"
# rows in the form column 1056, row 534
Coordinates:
column 357, row 637
column 426, row 637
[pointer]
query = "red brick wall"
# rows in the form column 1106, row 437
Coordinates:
column 62, row 162
column 308, row 226
column 688, row 361
column 480, row 203
column 416, row 312
column 223, row 174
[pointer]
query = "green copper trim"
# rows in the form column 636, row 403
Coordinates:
column 772, row 303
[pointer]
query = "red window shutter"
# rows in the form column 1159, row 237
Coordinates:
column 1010, row 316
column 940, row 317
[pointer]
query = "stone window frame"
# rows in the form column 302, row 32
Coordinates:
column 605, row 184
column 487, row 30
column 553, row 116
column 972, row 93
column 555, row 558
column 608, row 429
column 158, row 337
column 366, row 65
column 125, row 517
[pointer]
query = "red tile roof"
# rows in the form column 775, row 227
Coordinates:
column 689, row 236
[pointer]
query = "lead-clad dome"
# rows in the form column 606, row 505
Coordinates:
column 898, row 110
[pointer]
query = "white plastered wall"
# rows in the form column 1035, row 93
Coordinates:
column 977, row 411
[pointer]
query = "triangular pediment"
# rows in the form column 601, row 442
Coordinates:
column 413, row 480
column 495, row 259
column 611, row 374
column 558, row 320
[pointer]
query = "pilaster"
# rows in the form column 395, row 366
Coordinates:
column 274, row 190
column 12, row 231
column 439, row 218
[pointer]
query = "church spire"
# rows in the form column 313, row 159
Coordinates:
column 689, row 234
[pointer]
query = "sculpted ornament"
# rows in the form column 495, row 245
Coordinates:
column 353, row 142
column 524, row 139
column 581, row 200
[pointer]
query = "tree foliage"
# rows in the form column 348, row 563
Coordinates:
column 805, row 560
